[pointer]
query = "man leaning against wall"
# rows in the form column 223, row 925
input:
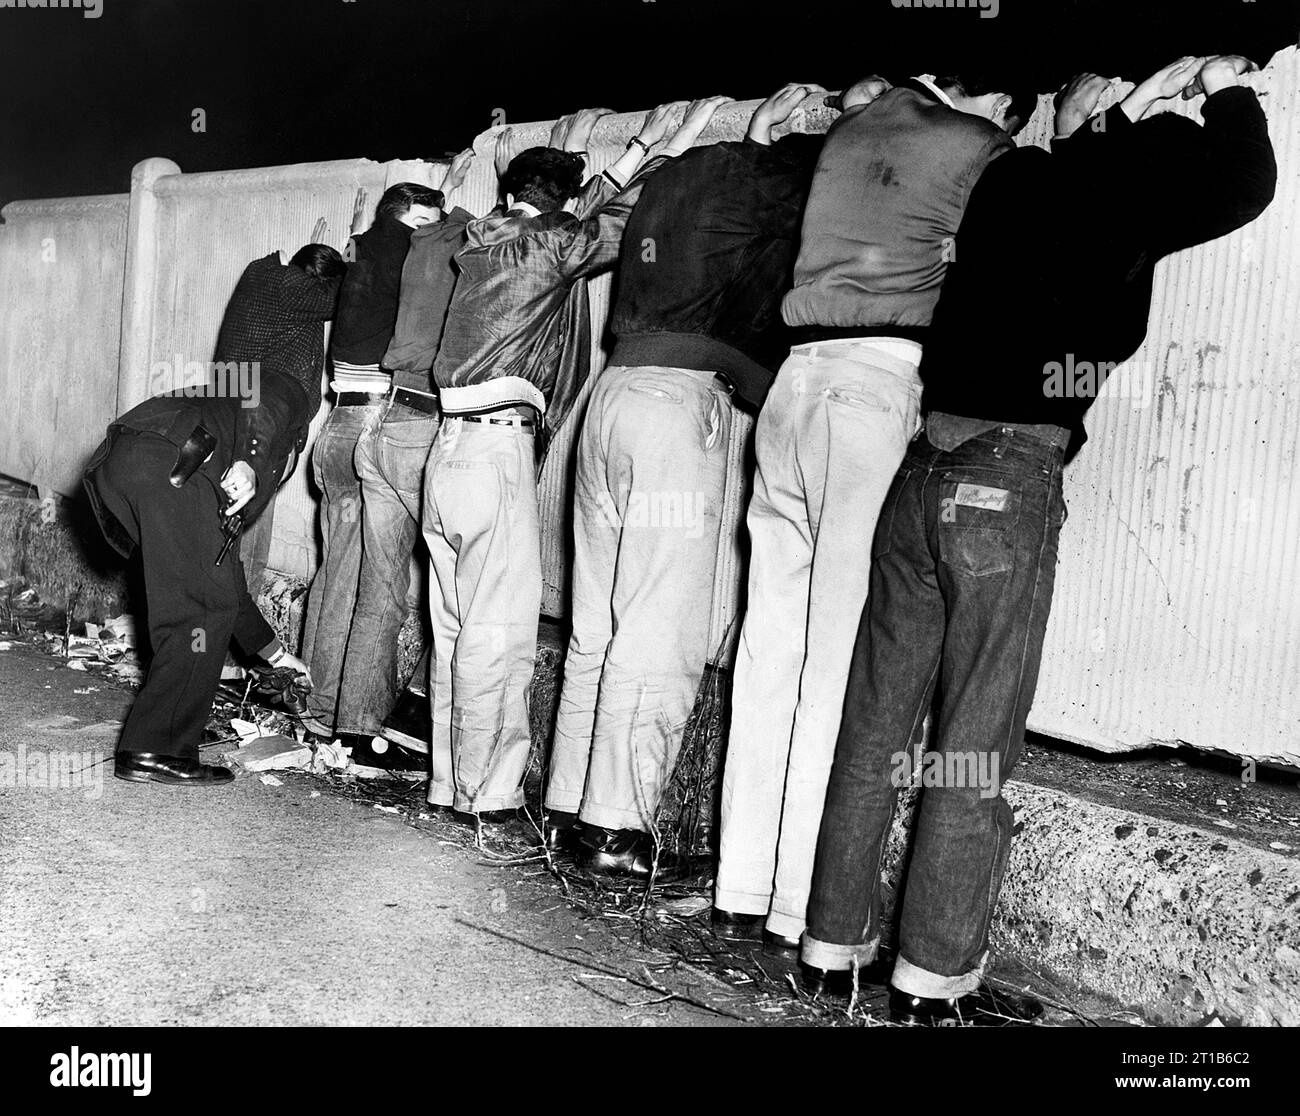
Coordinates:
column 363, row 327
column 514, row 354
column 887, row 196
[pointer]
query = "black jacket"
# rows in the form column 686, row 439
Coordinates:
column 368, row 298
column 707, row 255
column 1056, row 253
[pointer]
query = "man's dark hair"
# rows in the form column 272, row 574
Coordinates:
column 543, row 176
column 1024, row 99
column 399, row 198
column 320, row 261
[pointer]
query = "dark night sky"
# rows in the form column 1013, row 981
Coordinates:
column 285, row 81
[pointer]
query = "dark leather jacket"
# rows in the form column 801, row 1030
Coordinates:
column 520, row 307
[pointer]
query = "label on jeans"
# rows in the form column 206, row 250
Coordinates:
column 980, row 496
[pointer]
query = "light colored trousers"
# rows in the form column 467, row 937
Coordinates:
column 485, row 594
column 651, row 475
column 828, row 442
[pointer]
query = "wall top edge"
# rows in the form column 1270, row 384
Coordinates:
column 812, row 116
column 270, row 178
column 64, row 207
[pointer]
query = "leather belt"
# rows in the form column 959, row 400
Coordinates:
column 523, row 423
column 358, row 398
column 417, row 401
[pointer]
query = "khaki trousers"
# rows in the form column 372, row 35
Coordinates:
column 828, row 442
column 485, row 594
column 651, row 474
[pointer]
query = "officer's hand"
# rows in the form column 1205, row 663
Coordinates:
column 239, row 484
column 295, row 663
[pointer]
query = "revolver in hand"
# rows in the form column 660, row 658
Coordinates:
column 231, row 526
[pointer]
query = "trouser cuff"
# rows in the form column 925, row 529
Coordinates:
column 483, row 803
column 916, row 981
column 609, row 817
column 564, row 803
column 440, row 796
column 835, row 957
column 787, row 926
column 741, row 902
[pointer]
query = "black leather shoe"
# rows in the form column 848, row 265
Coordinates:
column 985, row 1007
column 391, row 758
column 618, row 852
column 780, row 945
column 560, row 830
column 835, row 984
column 409, row 724
column 150, row 767
column 734, row 927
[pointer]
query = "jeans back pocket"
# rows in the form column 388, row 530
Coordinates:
column 977, row 519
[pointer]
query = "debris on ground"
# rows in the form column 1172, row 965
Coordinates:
column 273, row 753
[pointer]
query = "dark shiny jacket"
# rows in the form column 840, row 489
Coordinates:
column 520, row 307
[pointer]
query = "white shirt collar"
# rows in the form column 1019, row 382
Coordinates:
column 530, row 210
column 928, row 81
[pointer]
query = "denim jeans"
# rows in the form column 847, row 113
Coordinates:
column 334, row 588
column 963, row 564
column 648, row 496
column 828, row 442
column 390, row 460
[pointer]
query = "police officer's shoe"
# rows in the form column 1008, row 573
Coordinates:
column 150, row 767
column 985, row 1007
column 379, row 754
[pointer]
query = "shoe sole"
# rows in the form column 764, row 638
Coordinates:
column 150, row 777
column 409, row 742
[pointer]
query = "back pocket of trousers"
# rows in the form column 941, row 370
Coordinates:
column 977, row 519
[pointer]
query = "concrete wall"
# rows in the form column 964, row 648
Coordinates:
column 1175, row 617
column 61, row 265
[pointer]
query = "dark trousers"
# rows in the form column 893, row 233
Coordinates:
column 964, row 561
column 192, row 603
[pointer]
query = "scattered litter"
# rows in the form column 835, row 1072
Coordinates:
column 315, row 794
column 272, row 753
column 1224, row 824
column 1177, row 763
column 1279, row 846
column 247, row 731
column 87, row 690
column 690, row 905
column 1220, row 801
column 331, row 757
column 387, row 809
column 5, row 645
column 271, row 780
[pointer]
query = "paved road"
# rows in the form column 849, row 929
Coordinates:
column 128, row 903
